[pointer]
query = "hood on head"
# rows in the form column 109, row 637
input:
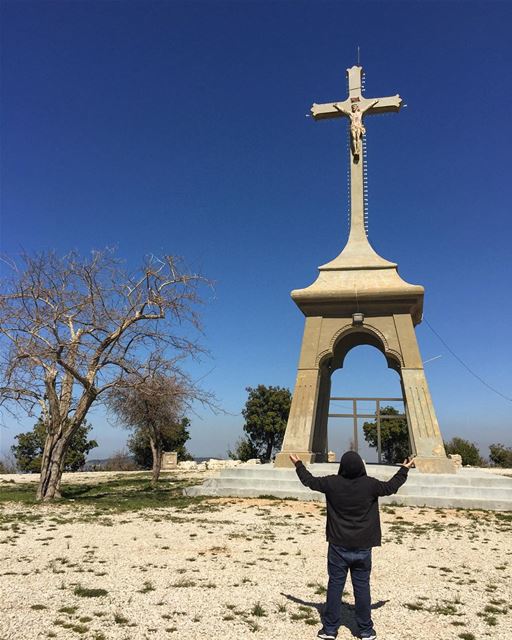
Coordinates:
column 351, row 465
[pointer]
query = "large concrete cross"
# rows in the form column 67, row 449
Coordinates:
column 355, row 107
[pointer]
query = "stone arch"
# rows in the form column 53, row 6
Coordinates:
column 348, row 337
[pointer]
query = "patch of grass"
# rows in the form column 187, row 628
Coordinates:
column 311, row 621
column 124, row 493
column 304, row 613
column 320, row 589
column 120, row 619
column 147, row 587
column 80, row 628
column 38, row 607
column 504, row 517
column 497, row 602
column 85, row 592
column 218, row 550
column 467, row 636
column 447, row 609
column 253, row 625
column 183, row 583
column 258, row 611
column 490, row 608
column 19, row 492
column 68, row 610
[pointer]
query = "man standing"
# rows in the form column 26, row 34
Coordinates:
column 352, row 529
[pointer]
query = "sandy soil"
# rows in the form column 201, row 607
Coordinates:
column 227, row 568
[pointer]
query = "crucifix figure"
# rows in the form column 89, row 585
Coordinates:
column 355, row 107
column 357, row 129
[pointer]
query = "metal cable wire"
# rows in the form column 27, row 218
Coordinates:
column 468, row 368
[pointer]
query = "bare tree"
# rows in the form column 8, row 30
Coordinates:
column 154, row 402
column 73, row 328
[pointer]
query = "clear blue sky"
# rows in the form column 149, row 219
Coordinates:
column 179, row 127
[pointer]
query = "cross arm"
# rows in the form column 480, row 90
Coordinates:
column 330, row 110
column 384, row 105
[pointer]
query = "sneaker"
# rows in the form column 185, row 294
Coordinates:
column 325, row 636
column 372, row 637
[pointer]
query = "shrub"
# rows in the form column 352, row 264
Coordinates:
column 468, row 451
column 394, row 436
column 174, row 436
column 500, row 455
column 266, row 414
column 7, row 464
column 244, row 450
column 120, row 461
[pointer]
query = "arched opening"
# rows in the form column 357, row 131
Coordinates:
column 358, row 367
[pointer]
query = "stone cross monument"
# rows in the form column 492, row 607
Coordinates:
column 359, row 298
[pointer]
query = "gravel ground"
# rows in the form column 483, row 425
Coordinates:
column 224, row 568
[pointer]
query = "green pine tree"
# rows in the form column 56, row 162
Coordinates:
column 29, row 450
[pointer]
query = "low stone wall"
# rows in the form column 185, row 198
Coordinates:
column 214, row 464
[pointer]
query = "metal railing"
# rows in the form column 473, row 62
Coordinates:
column 377, row 416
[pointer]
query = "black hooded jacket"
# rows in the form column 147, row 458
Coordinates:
column 352, row 497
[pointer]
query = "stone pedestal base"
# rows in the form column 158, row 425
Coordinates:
column 169, row 460
column 434, row 465
column 283, row 459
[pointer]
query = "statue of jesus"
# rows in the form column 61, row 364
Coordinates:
column 357, row 129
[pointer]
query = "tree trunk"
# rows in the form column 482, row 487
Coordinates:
column 156, row 450
column 270, row 446
column 52, row 466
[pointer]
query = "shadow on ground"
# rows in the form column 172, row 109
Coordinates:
column 347, row 611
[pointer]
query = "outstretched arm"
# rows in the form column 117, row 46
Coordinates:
column 392, row 486
column 307, row 478
column 341, row 109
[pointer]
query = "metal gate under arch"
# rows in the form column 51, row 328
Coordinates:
column 377, row 416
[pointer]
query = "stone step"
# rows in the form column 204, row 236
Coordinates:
column 439, row 501
column 468, row 489
column 293, row 484
column 462, row 478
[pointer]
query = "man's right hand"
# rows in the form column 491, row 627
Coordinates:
column 294, row 458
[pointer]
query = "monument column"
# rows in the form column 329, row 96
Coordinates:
column 300, row 429
column 424, row 433
column 320, row 444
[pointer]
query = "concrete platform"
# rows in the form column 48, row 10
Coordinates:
column 468, row 489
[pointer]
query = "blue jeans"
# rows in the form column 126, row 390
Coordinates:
column 339, row 561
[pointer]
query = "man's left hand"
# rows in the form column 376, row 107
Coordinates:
column 294, row 458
